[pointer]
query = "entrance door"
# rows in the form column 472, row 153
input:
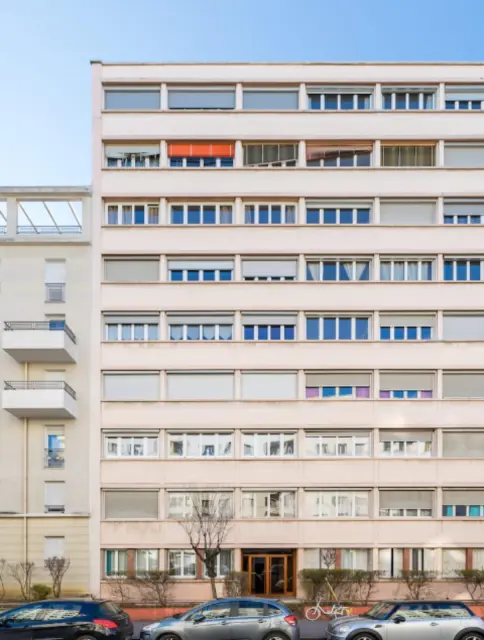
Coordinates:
column 271, row 574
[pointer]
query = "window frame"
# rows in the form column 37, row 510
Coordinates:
column 146, row 331
column 201, row 328
column 148, row 213
column 269, row 327
column 335, row 495
column 419, row 513
column 281, row 507
column 171, row 566
column 337, row 318
column 467, row 507
column 274, row 163
column 426, row 452
column 139, row 572
column 218, row 211
column 422, row 93
column 185, row 497
column 153, row 89
column 468, row 261
column 405, row 328
column 152, row 161
column 287, row 210
column 116, row 556
column 200, row 434
column 216, row 272
column 339, row 262
column 120, row 438
column 262, row 440
column 322, row 436
column 357, row 94
column 338, row 209
column 421, row 262
column 337, row 394
column 400, row 148
column 204, row 162
column 218, row 565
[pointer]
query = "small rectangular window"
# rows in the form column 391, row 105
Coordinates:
column 182, row 563
column 463, row 269
column 277, row 100
column 201, row 99
column 406, row 270
column 343, row 444
column 338, row 270
column 407, row 155
column 464, row 98
column 125, row 505
column 270, row 155
column 344, row 213
column 403, row 98
column 201, row 214
column 337, row 328
column 268, row 504
column 411, row 213
column 200, row 270
column 270, row 214
column 131, row 446
column 129, row 156
column 463, row 212
column 268, row 445
column 337, row 504
column 327, row 99
column 132, row 98
column 339, row 155
column 344, row 386
column 269, row 270
column 462, row 154
column 132, row 214
column 200, row 445
column 195, row 155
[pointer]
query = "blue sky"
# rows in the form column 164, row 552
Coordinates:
column 46, row 47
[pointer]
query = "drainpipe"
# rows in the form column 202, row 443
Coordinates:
column 26, row 476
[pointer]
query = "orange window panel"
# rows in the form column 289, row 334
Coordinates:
column 205, row 150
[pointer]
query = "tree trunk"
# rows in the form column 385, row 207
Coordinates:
column 214, row 588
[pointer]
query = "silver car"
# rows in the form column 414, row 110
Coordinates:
column 410, row 620
column 228, row 619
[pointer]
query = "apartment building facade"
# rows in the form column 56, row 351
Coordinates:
column 45, row 295
column 289, row 271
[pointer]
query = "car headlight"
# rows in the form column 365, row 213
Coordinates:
column 150, row 626
column 342, row 630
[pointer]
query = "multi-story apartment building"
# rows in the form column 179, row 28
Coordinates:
column 45, row 297
column 290, row 285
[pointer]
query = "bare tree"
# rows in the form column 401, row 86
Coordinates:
column 418, row 583
column 21, row 572
column 57, row 567
column 155, row 586
column 207, row 525
column 473, row 580
column 3, row 563
column 328, row 558
column 119, row 585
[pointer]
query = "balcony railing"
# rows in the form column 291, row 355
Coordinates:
column 48, row 325
column 54, row 508
column 51, row 230
column 40, row 385
column 54, row 458
column 55, row 292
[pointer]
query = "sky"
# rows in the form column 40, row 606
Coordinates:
column 46, row 47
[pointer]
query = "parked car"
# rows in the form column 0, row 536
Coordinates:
column 66, row 620
column 411, row 620
column 228, row 619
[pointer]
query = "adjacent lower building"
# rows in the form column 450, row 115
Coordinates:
column 288, row 310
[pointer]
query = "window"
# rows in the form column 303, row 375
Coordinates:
column 337, row 328
column 224, row 564
column 200, row 386
column 250, row 609
column 131, row 446
column 182, row 563
column 321, row 213
column 406, row 327
column 123, row 387
column 55, row 279
column 453, row 561
column 337, row 504
column 402, row 98
column 355, row 559
column 464, row 98
column 463, row 385
column 26, row 613
column 143, row 327
column 54, row 497
column 269, row 326
column 462, row 327
column 407, row 155
column 54, row 547
column 199, row 504
column 269, row 385
column 132, row 156
column 270, row 155
column 406, row 504
column 406, row 444
column 463, row 504
column 145, row 560
column 267, row 100
column 210, row 98
column 127, row 505
column 345, row 444
column 126, row 270
column 463, row 270
column 339, row 155
column 390, row 562
column 464, row 212
column 338, row 270
column 345, row 386
column 478, row 559
column 330, row 99
column 132, row 98
column 200, row 445
column 352, row 559
column 55, row 450
column 201, row 214
column 268, row 504
column 201, row 155
column 270, row 213
column 463, row 154
column 407, row 212
column 132, row 214
column 200, row 270
column 188, row 327
column 268, row 445
column 405, row 270
column 269, row 270
column 217, row 611
column 463, row 444
column 408, row 386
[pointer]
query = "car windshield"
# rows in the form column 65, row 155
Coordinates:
column 380, row 611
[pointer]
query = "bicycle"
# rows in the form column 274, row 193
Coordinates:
column 337, row 611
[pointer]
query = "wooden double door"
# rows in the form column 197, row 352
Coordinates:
column 270, row 574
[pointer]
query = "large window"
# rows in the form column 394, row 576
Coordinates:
column 406, row 504
column 126, row 505
column 201, row 214
column 224, row 564
column 199, row 504
column 132, row 156
column 453, row 561
column 200, row 270
column 145, row 561
column 405, row 444
column 269, row 385
column 269, row 445
column 130, row 386
column 201, row 98
column 321, row 213
column 463, row 269
column 463, row 444
column 463, row 503
column 406, row 270
column 269, row 270
column 270, row 155
column 182, row 563
column 401, row 99
column 132, row 98
column 270, row 100
column 464, row 212
column 461, row 327
column 115, row 562
column 131, row 446
column 407, row 212
column 461, row 154
column 135, row 270
column 345, row 386
column 206, row 385
column 390, row 561
column 337, row 504
column 200, row 445
column 352, row 559
column 407, row 155
column 268, row 504
column 132, row 214
column 131, row 327
column 270, row 213
column 406, row 386
column 269, row 326
column 339, row 155
column 464, row 98
column 406, row 327
column 188, row 327
column 338, row 270
column 329, row 99
column 344, row 444
column 201, row 155
column 337, row 328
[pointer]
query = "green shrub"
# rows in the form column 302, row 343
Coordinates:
column 40, row 591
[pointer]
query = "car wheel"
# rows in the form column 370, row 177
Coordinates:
column 168, row 636
column 86, row 638
column 472, row 635
column 363, row 636
column 275, row 636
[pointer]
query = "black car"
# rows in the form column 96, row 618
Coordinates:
column 66, row 620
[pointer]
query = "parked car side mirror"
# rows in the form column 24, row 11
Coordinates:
column 199, row 617
column 398, row 619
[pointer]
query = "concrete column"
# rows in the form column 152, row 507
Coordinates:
column 301, row 326
column 86, row 219
column 237, row 326
column 440, row 211
column 303, row 101
column 300, row 506
column 375, row 496
column 439, row 160
column 237, row 444
column 438, row 500
column 377, row 97
column 375, row 560
column 376, row 155
column 163, row 327
column 440, row 268
column 469, row 562
column 375, row 444
column 375, row 328
column 237, row 498
column 162, row 505
column 239, row 96
column 439, row 443
column 376, row 384
column 164, row 97
column 439, row 330
column 301, row 268
column 301, row 385
column 440, row 98
column 164, row 154
column 12, row 217
column 237, row 559
column 239, row 154
column 162, row 559
column 301, row 211
column 438, row 564
column 239, row 211
column 301, row 154
column 376, row 267
column 237, row 385
column 163, row 213
column 376, row 211
column 300, row 443
column 163, row 382
column 163, row 269
column 439, row 385
column 238, row 268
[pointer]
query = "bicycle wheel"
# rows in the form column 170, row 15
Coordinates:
column 313, row 613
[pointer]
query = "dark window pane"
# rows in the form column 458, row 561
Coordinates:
column 329, row 329
column 363, row 102
column 411, row 333
column 346, row 216
column 475, row 270
column 312, row 216
column 475, row 219
column 461, row 270
column 177, row 215
column 413, row 101
column 462, row 220
column 329, row 271
column 314, row 101
column 176, row 162
column 330, row 101
column 193, row 162
column 250, row 609
column 289, row 332
column 448, row 270
column 312, row 328
column 226, row 162
column 249, row 332
column 449, row 104
column 363, row 216
column 209, row 162
column 463, row 104
column 460, row 510
column 344, row 328
column 363, row 159
column 400, row 101
column 263, row 332
column 264, row 215
column 361, row 329
column 209, row 215
column 347, row 101
column 385, row 333
column 426, row 333
column 139, row 214
column 176, row 275
column 398, row 394
column 275, row 333
column 475, row 104
column 345, row 391
column 347, row 159
column 387, row 101
column 193, row 214
column 329, row 392
column 412, row 394
column 448, row 219
column 276, row 215
column 193, row 276
column 399, row 333
column 225, row 274
column 329, row 216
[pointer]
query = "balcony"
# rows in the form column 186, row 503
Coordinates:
column 54, row 459
column 50, row 341
column 40, row 399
